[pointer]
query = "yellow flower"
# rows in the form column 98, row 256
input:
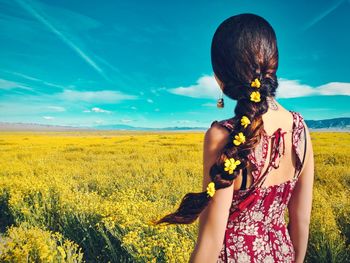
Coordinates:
column 239, row 138
column 61, row 250
column 211, row 189
column 255, row 96
column 255, row 83
column 231, row 164
column 245, row 121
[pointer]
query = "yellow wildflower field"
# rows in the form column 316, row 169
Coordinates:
column 91, row 196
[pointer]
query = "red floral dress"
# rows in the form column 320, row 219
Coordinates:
column 259, row 233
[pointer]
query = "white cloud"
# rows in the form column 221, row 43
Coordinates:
column 48, row 117
column 99, row 110
column 207, row 87
column 149, row 100
column 133, row 108
column 293, row 88
column 156, row 109
column 333, row 88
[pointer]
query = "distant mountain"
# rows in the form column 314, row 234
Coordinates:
column 340, row 124
column 337, row 123
column 19, row 126
column 128, row 127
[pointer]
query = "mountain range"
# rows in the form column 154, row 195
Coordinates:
column 336, row 124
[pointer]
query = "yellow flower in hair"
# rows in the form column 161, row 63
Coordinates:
column 231, row 164
column 245, row 121
column 211, row 189
column 255, row 83
column 255, row 96
column 239, row 138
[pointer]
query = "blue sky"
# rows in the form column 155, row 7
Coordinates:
column 87, row 63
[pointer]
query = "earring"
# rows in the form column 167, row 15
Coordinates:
column 220, row 102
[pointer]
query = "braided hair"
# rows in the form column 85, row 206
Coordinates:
column 244, row 58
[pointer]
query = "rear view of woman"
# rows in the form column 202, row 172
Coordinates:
column 257, row 164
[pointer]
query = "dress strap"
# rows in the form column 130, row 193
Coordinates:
column 299, row 142
column 298, row 171
column 244, row 179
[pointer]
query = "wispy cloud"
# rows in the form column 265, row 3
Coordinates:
column 46, row 22
column 8, row 84
column 33, row 79
column 99, row 110
column 207, row 87
column 101, row 96
column 323, row 14
column 16, row 104
column 48, row 117
column 14, row 86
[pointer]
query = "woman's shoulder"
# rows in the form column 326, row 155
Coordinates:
column 216, row 136
column 219, row 132
column 227, row 124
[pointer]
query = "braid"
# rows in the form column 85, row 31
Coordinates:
column 245, row 135
column 250, row 80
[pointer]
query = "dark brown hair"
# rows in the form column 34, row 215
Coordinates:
column 244, row 47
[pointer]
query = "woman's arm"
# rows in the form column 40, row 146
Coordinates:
column 300, row 204
column 213, row 219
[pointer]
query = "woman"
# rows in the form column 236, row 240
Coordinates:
column 256, row 164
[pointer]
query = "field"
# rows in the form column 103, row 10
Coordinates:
column 90, row 196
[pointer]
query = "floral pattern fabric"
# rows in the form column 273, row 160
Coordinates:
column 259, row 232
